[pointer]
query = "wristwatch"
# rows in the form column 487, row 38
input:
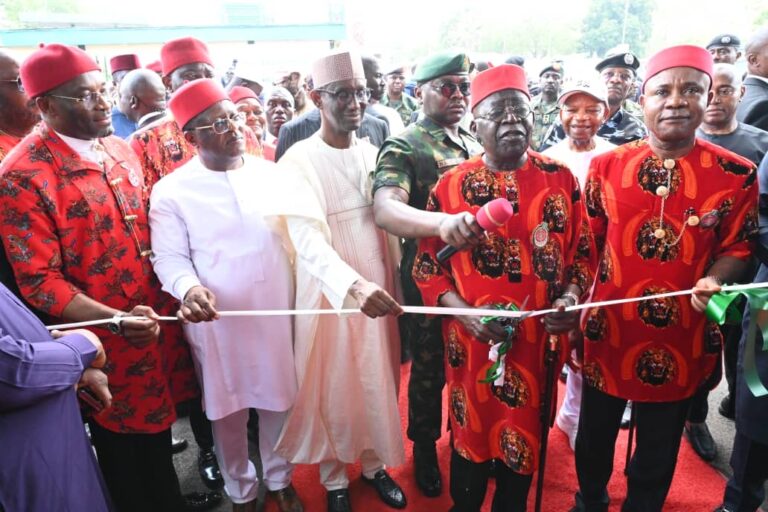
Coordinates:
column 115, row 326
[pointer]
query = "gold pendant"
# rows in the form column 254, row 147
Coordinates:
column 659, row 233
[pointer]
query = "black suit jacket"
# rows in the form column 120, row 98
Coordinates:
column 753, row 108
column 305, row 125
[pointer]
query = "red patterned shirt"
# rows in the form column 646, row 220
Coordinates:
column 489, row 421
column 661, row 350
column 71, row 227
column 7, row 143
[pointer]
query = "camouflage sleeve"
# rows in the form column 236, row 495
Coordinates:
column 395, row 166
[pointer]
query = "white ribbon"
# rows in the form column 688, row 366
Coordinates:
column 421, row 310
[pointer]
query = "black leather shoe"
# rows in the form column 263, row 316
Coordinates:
column 338, row 501
column 209, row 470
column 727, row 408
column 196, row 501
column 701, row 440
column 426, row 470
column 389, row 492
column 178, row 445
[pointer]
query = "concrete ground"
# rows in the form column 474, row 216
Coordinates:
column 186, row 462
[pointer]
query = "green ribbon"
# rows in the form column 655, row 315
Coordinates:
column 723, row 308
column 509, row 325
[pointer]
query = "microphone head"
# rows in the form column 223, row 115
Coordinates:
column 494, row 214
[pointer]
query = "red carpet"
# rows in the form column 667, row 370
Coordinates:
column 696, row 487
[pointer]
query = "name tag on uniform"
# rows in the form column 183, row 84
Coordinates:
column 449, row 162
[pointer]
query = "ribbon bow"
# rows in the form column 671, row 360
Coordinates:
column 722, row 308
column 495, row 374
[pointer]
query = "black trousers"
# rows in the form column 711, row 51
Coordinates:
column 138, row 470
column 749, row 461
column 469, row 482
column 658, row 428
column 200, row 424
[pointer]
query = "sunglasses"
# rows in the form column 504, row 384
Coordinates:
column 17, row 82
column 448, row 89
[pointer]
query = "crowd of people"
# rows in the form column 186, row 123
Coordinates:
column 174, row 190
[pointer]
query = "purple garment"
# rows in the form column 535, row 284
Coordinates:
column 46, row 461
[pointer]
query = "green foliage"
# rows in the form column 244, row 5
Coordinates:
column 13, row 9
column 604, row 22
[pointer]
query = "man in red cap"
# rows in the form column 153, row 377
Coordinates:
column 75, row 229
column 671, row 212
column 162, row 148
column 243, row 363
column 119, row 66
column 542, row 253
column 161, row 145
column 249, row 104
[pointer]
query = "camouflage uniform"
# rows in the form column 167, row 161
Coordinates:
column 634, row 109
column 620, row 128
column 544, row 116
column 405, row 107
column 413, row 161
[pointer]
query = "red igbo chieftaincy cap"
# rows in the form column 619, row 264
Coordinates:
column 685, row 56
column 53, row 65
column 125, row 62
column 240, row 93
column 194, row 98
column 506, row 76
column 179, row 52
column 155, row 66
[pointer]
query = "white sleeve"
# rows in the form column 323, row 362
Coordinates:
column 170, row 246
column 315, row 254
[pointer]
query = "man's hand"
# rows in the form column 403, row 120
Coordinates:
column 461, row 230
column 101, row 356
column 96, row 381
column 373, row 300
column 141, row 331
column 491, row 333
column 562, row 320
column 703, row 291
column 199, row 306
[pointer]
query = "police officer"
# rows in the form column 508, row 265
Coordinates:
column 725, row 48
column 546, row 110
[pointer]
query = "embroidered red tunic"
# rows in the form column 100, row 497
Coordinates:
column 489, row 421
column 661, row 350
column 70, row 227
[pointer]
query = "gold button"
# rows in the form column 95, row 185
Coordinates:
column 662, row 191
column 669, row 164
column 659, row 233
column 116, row 182
column 146, row 253
column 693, row 220
column 131, row 217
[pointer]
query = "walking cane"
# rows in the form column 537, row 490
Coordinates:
column 545, row 414
column 630, row 438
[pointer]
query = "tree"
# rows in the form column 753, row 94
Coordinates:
column 14, row 9
column 605, row 21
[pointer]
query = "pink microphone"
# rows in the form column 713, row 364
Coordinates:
column 490, row 217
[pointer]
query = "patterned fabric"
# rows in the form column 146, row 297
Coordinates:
column 620, row 128
column 544, row 116
column 661, row 350
column 162, row 148
column 405, row 107
column 72, row 227
column 7, row 143
column 489, row 421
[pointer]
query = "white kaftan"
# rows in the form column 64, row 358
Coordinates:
column 348, row 367
column 207, row 228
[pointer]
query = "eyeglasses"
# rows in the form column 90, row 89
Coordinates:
column 221, row 125
column 344, row 96
column 17, row 82
column 89, row 99
column 499, row 114
column 448, row 89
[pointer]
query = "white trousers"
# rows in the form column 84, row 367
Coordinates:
column 230, row 438
column 568, row 417
column 333, row 473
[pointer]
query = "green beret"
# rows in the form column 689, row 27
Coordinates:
column 555, row 67
column 619, row 60
column 441, row 64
